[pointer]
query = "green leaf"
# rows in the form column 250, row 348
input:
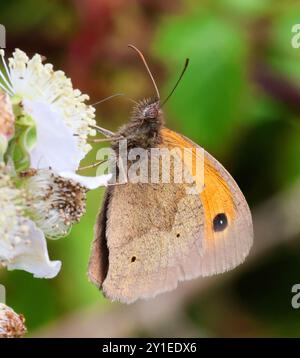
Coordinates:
column 212, row 95
column 287, row 163
column 247, row 8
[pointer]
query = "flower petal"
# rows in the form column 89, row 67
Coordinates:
column 88, row 182
column 56, row 145
column 32, row 255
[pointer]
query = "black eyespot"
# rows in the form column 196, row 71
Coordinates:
column 220, row 222
column 133, row 258
column 178, row 235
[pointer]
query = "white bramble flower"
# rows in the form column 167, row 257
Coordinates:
column 12, row 325
column 57, row 123
column 62, row 118
column 54, row 202
column 22, row 244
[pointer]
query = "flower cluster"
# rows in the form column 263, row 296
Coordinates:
column 44, row 127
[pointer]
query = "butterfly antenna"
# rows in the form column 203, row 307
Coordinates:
column 108, row 98
column 147, row 68
column 132, row 100
column 177, row 83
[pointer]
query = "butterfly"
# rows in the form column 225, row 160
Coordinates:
column 150, row 236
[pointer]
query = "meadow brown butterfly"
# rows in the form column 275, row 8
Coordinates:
column 150, row 236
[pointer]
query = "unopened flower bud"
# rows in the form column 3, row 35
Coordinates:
column 12, row 325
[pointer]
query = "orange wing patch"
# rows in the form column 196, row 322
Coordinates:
column 216, row 197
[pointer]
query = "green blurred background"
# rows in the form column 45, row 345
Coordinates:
column 240, row 99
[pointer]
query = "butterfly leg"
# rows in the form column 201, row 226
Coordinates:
column 102, row 140
column 93, row 165
column 107, row 133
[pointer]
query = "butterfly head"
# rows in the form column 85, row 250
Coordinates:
column 143, row 129
column 148, row 110
column 151, row 111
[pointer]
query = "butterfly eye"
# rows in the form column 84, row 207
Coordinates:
column 220, row 222
column 151, row 112
column 133, row 258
